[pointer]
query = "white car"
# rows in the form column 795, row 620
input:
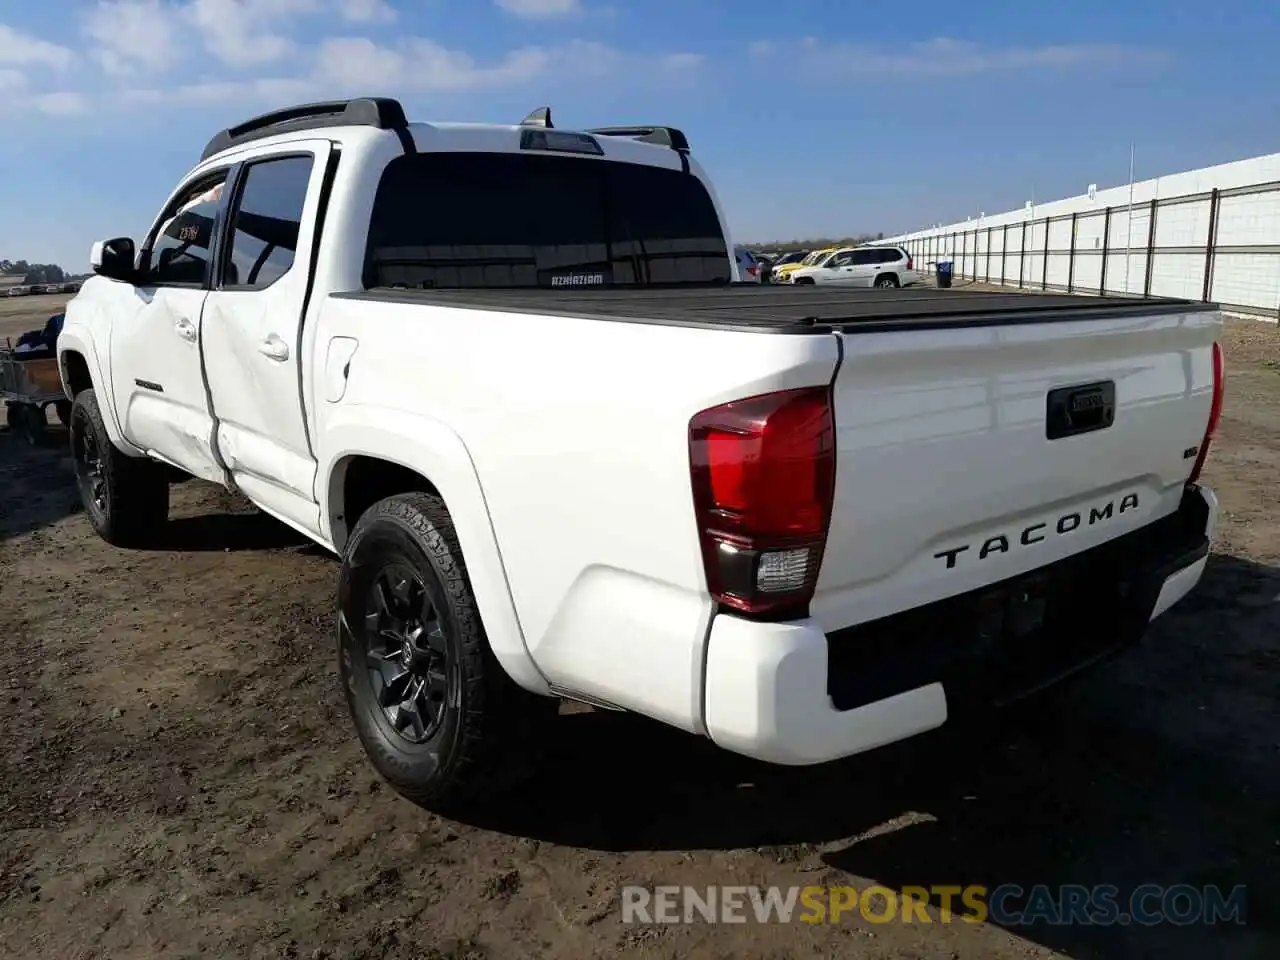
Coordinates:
column 566, row 457
column 885, row 266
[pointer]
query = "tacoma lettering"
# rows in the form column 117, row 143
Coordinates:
column 1036, row 532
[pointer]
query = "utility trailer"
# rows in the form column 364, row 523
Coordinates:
column 28, row 388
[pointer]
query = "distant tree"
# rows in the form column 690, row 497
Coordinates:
column 817, row 243
column 34, row 272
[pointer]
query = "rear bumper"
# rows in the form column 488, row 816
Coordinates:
column 789, row 693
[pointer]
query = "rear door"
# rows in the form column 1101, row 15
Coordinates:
column 866, row 265
column 950, row 476
column 253, row 329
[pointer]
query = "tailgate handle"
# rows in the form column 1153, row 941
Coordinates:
column 1080, row 409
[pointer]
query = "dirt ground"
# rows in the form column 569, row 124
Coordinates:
column 178, row 776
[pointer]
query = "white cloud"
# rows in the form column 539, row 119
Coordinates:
column 21, row 49
column 239, row 32
column 251, row 52
column 366, row 11
column 540, row 9
column 944, row 56
column 762, row 48
column 61, row 104
column 132, row 36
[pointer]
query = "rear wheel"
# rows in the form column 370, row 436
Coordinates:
column 887, row 280
column 438, row 717
column 125, row 498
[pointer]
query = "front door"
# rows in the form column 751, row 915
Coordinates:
column 252, row 333
column 833, row 269
column 156, row 372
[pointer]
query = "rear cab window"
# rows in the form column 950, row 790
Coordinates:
column 468, row 220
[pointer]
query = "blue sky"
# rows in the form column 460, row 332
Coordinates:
column 814, row 117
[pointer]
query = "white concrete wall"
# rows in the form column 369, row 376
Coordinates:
column 1244, row 271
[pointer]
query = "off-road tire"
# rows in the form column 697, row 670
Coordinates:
column 135, row 498
column 886, row 280
column 489, row 729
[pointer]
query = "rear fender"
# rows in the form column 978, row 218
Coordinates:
column 434, row 451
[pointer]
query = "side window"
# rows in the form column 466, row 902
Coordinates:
column 178, row 252
column 266, row 222
column 863, row 258
column 890, row 256
column 841, row 259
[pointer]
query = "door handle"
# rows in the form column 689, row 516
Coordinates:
column 185, row 329
column 274, row 348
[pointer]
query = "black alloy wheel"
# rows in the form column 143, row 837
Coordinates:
column 406, row 656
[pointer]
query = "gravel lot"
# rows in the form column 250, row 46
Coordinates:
column 178, row 776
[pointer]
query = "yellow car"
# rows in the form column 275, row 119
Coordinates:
column 783, row 273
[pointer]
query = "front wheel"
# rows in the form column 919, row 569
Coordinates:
column 438, row 717
column 125, row 498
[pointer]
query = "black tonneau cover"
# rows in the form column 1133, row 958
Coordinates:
column 792, row 309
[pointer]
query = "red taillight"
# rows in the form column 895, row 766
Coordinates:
column 911, row 264
column 753, row 269
column 763, row 472
column 1215, row 412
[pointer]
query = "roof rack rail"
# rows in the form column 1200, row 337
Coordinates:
column 379, row 112
column 662, row 136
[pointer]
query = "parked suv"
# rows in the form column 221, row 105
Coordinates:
column 890, row 266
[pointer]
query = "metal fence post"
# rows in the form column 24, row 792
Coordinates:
column 1004, row 252
column 1106, row 247
column 1211, row 243
column 1151, row 247
column 1044, row 263
column 1071, row 257
column 1022, row 254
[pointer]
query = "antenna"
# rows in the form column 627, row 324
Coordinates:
column 538, row 118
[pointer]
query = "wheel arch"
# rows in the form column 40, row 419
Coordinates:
column 375, row 453
column 82, row 367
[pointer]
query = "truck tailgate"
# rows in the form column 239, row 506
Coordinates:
column 954, row 472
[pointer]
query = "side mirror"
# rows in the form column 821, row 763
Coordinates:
column 114, row 259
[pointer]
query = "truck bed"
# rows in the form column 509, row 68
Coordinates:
column 791, row 309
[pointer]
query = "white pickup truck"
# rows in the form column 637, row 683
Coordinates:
column 505, row 373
